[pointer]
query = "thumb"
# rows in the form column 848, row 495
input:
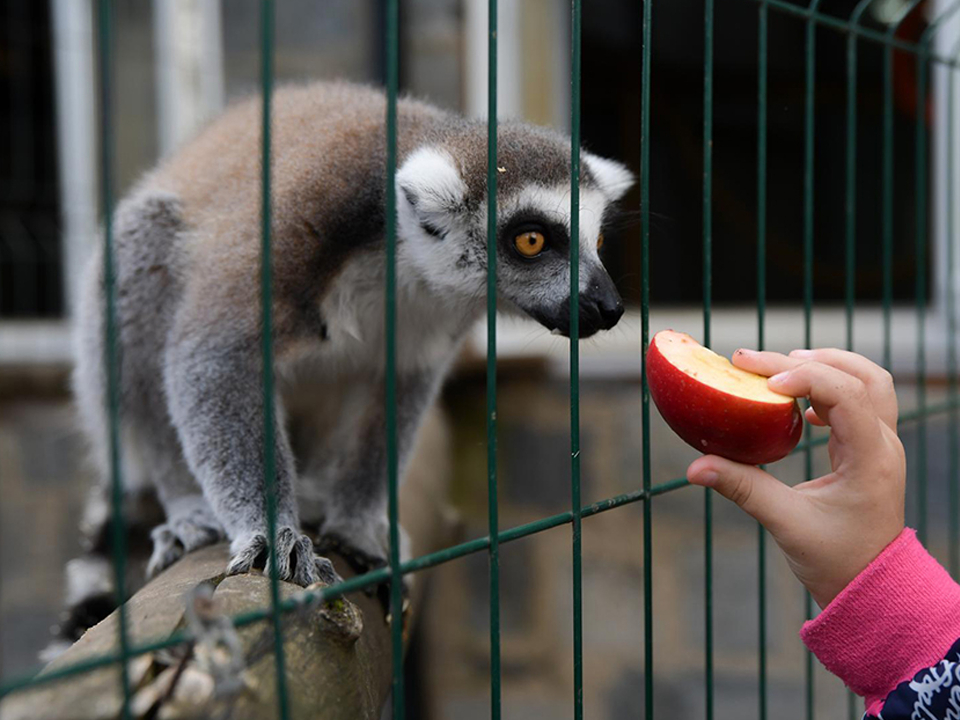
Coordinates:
column 758, row 493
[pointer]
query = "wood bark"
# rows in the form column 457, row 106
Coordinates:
column 337, row 654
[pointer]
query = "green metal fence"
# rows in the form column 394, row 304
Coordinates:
column 815, row 21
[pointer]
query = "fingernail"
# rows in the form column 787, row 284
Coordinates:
column 779, row 377
column 708, row 478
column 801, row 353
column 745, row 351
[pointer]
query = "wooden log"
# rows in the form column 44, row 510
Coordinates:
column 337, row 655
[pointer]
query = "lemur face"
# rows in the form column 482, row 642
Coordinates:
column 442, row 213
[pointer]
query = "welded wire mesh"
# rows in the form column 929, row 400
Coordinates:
column 815, row 22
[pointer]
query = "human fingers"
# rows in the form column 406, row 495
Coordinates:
column 770, row 363
column 879, row 382
column 763, row 362
column 757, row 492
column 839, row 399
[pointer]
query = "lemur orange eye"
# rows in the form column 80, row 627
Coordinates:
column 529, row 244
column 600, row 241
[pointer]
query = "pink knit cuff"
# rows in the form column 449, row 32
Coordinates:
column 898, row 616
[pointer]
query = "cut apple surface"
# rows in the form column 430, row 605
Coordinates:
column 715, row 406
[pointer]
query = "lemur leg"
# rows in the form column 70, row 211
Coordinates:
column 190, row 521
column 216, row 401
column 90, row 592
column 147, row 228
column 150, row 450
column 348, row 472
column 152, row 462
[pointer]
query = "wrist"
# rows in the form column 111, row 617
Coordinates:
column 864, row 551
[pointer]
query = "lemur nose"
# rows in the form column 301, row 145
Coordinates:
column 611, row 310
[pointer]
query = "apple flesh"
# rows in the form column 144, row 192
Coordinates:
column 715, row 406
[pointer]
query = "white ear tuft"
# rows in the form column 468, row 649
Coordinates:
column 430, row 182
column 613, row 178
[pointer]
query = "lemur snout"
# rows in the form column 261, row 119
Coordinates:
column 600, row 305
column 600, row 309
column 610, row 313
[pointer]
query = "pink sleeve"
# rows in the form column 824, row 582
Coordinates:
column 898, row 616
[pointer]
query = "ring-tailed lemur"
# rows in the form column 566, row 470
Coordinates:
column 187, row 242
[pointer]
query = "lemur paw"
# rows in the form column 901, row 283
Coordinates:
column 296, row 560
column 181, row 534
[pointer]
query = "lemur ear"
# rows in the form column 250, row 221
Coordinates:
column 430, row 188
column 613, row 178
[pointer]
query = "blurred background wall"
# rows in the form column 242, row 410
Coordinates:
column 180, row 61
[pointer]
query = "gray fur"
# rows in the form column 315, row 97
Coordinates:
column 187, row 255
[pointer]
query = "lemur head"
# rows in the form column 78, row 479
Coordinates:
column 442, row 222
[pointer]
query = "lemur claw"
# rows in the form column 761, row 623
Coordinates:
column 296, row 560
column 325, row 570
column 180, row 535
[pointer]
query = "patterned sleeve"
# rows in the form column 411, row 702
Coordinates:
column 932, row 694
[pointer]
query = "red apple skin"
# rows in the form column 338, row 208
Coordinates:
column 718, row 423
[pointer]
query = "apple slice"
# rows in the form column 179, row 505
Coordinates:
column 715, row 406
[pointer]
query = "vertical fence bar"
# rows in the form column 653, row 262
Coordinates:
column 707, row 296
column 887, row 203
column 390, row 369
column 575, row 357
column 953, row 438
column 921, row 291
column 761, row 328
column 851, row 209
column 492, row 510
column 111, row 356
column 644, row 341
column 266, row 291
column 851, row 189
column 923, row 60
column 808, row 281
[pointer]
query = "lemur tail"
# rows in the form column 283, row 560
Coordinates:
column 89, row 578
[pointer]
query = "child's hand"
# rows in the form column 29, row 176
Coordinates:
column 832, row 527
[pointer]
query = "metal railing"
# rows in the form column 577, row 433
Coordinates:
column 815, row 20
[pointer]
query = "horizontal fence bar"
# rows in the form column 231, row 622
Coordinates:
column 376, row 577
column 844, row 26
